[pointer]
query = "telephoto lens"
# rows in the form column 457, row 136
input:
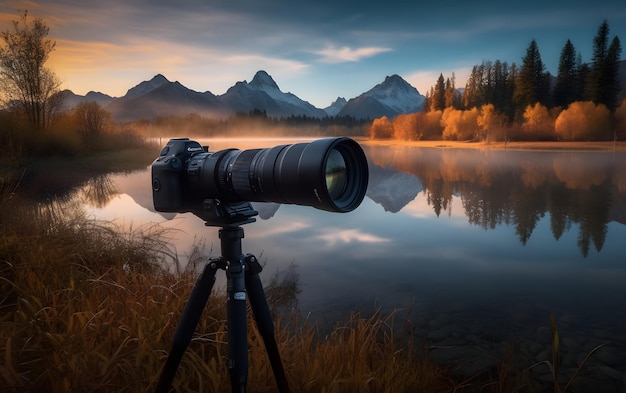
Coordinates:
column 329, row 174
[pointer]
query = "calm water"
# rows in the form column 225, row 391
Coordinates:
column 486, row 243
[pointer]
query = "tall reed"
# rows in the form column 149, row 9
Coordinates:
column 84, row 307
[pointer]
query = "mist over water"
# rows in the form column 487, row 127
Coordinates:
column 492, row 239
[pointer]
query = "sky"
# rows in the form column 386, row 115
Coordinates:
column 318, row 50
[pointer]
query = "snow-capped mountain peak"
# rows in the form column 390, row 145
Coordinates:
column 262, row 81
column 390, row 98
column 396, row 93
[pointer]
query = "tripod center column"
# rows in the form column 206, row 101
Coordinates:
column 231, row 242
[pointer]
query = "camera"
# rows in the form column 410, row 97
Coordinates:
column 328, row 174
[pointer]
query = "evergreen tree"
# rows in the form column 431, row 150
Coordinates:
column 451, row 95
column 566, row 80
column 471, row 95
column 582, row 75
column 602, row 83
column 438, row 99
column 502, row 95
column 612, row 85
column 532, row 84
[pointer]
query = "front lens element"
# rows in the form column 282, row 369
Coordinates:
column 336, row 174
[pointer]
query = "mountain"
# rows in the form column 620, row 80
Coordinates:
column 146, row 87
column 263, row 93
column 71, row 99
column 336, row 106
column 160, row 97
column 391, row 189
column 390, row 98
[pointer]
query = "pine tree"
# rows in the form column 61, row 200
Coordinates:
column 532, row 84
column 439, row 97
column 612, row 86
column 602, row 83
column 566, row 80
column 451, row 94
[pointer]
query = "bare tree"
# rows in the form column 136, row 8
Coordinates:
column 92, row 122
column 27, row 85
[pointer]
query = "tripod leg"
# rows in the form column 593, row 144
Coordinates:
column 187, row 325
column 263, row 318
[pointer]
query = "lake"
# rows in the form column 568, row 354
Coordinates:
column 477, row 247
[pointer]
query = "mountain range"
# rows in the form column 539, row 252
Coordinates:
column 161, row 97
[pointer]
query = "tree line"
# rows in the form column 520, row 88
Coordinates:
column 506, row 102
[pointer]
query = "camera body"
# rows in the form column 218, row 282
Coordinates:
column 170, row 185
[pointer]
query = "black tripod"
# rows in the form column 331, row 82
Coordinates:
column 242, row 274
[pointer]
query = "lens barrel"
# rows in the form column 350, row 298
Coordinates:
column 328, row 174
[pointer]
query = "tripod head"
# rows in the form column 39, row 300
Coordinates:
column 218, row 214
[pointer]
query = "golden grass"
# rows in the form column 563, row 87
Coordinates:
column 85, row 308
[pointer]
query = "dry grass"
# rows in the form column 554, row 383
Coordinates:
column 84, row 308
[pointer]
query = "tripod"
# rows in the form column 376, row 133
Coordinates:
column 242, row 274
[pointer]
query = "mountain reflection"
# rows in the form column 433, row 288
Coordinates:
column 516, row 188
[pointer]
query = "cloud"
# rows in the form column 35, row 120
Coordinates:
column 347, row 54
column 351, row 235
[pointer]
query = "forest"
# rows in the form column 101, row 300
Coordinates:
column 502, row 102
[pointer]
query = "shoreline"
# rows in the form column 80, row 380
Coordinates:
column 619, row 146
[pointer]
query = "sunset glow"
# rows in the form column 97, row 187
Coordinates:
column 317, row 51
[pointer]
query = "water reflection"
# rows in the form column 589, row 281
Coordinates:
column 480, row 245
column 99, row 190
column 516, row 188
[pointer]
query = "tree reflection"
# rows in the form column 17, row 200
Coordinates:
column 516, row 188
column 98, row 190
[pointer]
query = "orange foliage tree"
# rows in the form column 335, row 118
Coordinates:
column 538, row 123
column 381, row 128
column 459, row 125
column 583, row 121
column 492, row 124
column 620, row 121
column 405, row 127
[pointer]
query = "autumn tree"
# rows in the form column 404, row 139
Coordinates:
column 92, row 122
column 620, row 121
column 584, row 121
column 27, row 85
column 429, row 125
column 381, row 128
column 538, row 123
column 492, row 124
column 460, row 124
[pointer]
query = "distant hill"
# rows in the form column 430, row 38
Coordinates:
column 160, row 97
column 71, row 99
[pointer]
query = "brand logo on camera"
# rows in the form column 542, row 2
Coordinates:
column 192, row 149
